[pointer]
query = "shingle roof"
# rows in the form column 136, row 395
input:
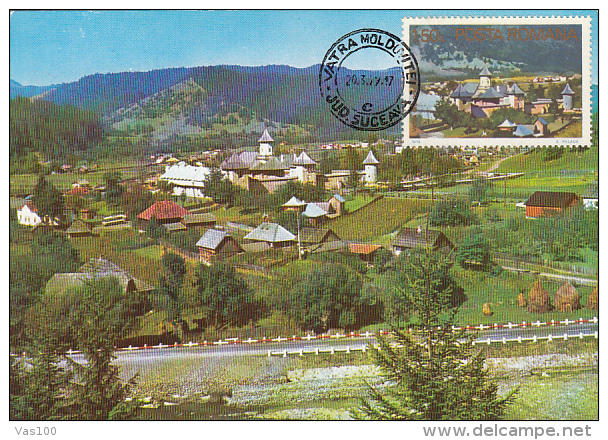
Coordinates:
column 266, row 137
column 363, row 248
column 77, row 191
column 212, row 238
column 174, row 227
column 542, row 121
column 258, row 246
column 328, row 246
column 270, row 232
column 101, row 268
column 551, row 199
column 370, row 159
column 206, row 217
column 415, row 237
column 522, row 131
column 271, row 164
column 304, row 159
column 162, row 210
column 183, row 171
column 314, row 235
column 515, row 90
column 313, row 210
column 339, row 198
column 78, row 227
column 508, row 124
column 491, row 93
column 567, row 90
column 294, row 202
column 485, row 71
column 234, row 162
column 460, row 92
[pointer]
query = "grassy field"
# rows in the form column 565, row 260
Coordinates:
column 535, row 163
column 377, row 219
column 501, row 293
column 129, row 168
column 356, row 202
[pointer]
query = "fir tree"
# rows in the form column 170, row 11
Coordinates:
column 102, row 317
column 433, row 373
column 47, row 199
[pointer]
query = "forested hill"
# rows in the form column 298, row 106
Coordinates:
column 51, row 130
column 535, row 57
column 105, row 93
column 275, row 94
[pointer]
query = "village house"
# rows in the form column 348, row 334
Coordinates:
column 273, row 234
column 317, row 236
column 294, row 204
column 186, row 179
column 547, row 203
column 28, row 215
column 315, row 214
column 97, row 268
column 364, row 251
column 78, row 228
column 217, row 245
column 419, row 238
column 338, row 204
column 206, row 220
column 164, row 211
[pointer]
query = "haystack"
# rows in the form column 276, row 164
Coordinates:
column 538, row 299
column 567, row 298
column 592, row 301
column 487, row 310
column 521, row 300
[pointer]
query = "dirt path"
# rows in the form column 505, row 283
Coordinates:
column 497, row 163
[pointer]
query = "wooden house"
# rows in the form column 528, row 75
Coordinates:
column 217, row 245
column 338, row 203
column 315, row 213
column 273, row 234
column 547, row 203
column 165, row 211
column 97, row 268
column 206, row 220
column 365, row 251
column 416, row 238
column 316, row 236
column 78, row 228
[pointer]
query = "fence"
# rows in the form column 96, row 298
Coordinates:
column 179, row 251
column 368, row 334
column 522, row 262
column 240, row 226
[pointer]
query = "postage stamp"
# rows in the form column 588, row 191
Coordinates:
column 500, row 81
column 369, row 100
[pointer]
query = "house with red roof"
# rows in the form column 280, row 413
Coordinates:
column 164, row 211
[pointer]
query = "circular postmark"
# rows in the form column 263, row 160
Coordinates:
column 370, row 99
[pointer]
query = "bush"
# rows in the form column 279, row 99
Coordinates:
column 452, row 213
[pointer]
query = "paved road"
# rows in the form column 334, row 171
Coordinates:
column 324, row 345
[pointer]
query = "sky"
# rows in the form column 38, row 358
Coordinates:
column 53, row 47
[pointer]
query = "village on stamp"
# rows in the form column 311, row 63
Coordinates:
column 396, row 218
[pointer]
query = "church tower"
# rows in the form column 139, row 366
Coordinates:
column 265, row 146
column 567, row 97
column 371, row 168
column 485, row 78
